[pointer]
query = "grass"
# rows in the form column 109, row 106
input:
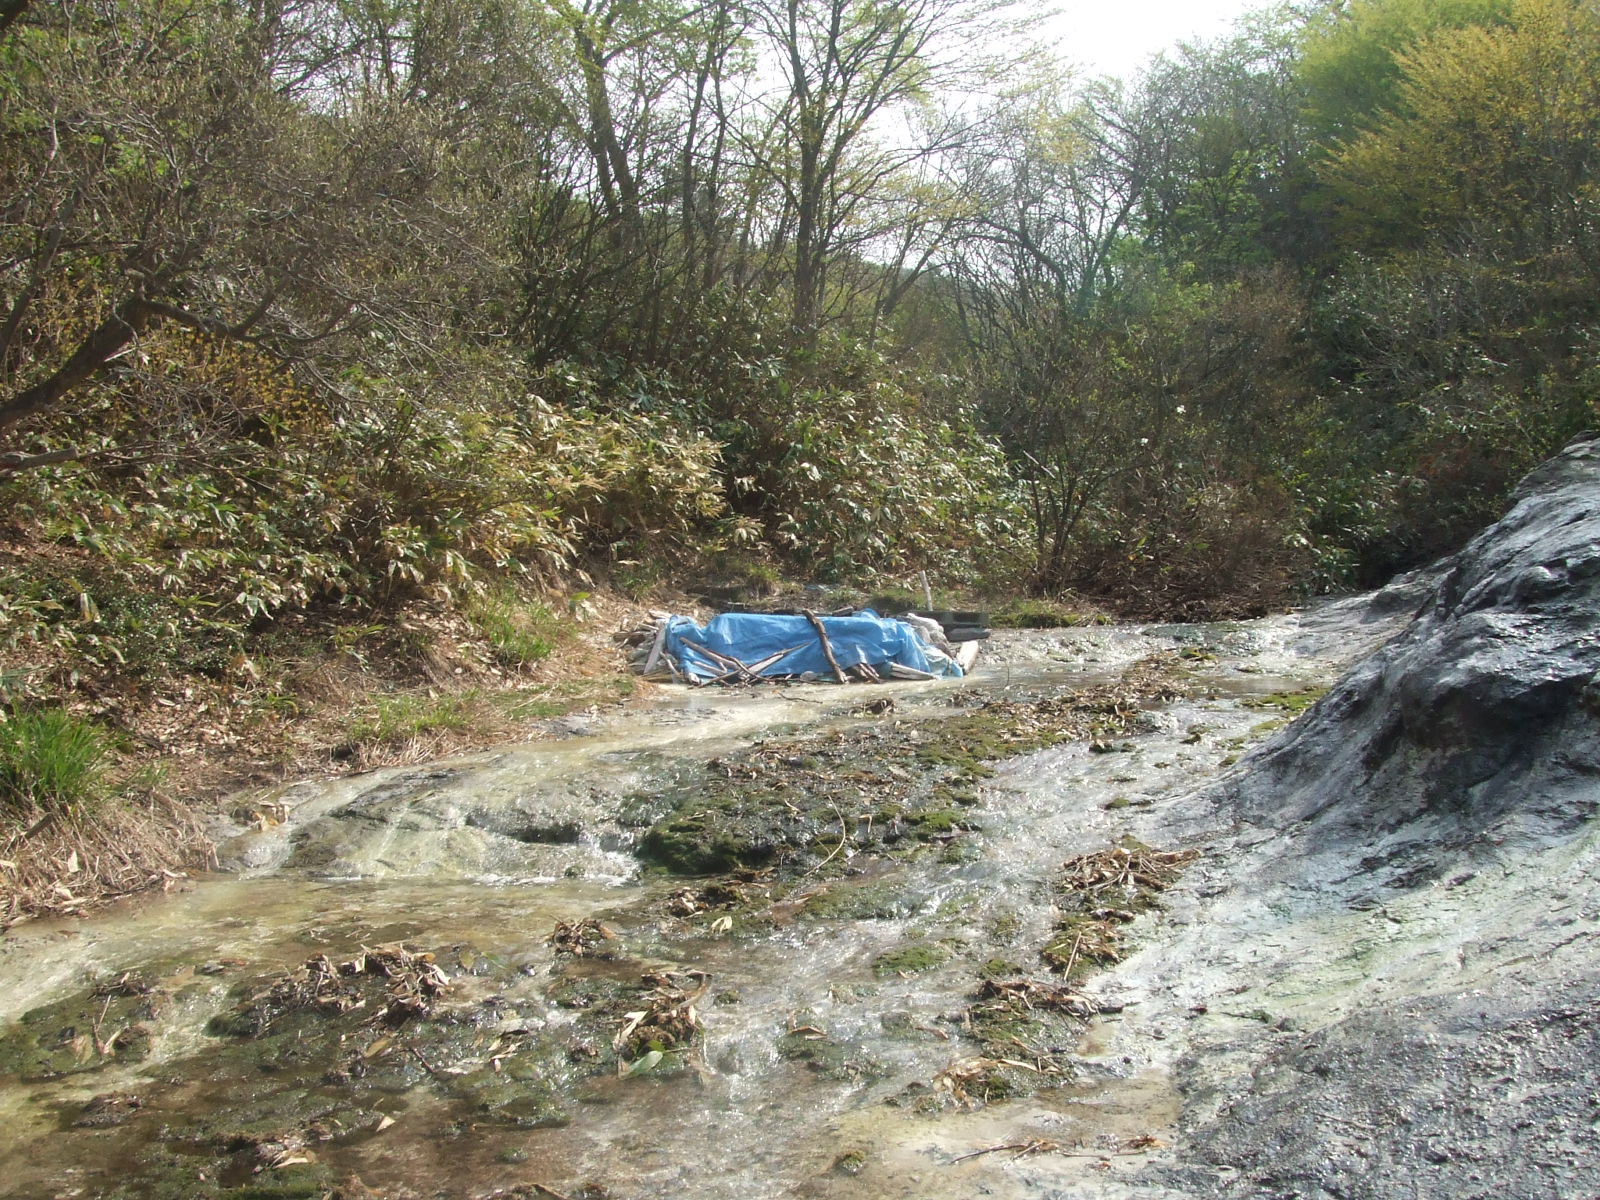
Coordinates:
column 520, row 632
column 403, row 717
column 1044, row 614
column 51, row 762
column 416, row 722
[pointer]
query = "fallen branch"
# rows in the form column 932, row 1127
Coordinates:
column 827, row 646
column 1023, row 1149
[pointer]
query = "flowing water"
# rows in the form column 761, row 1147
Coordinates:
column 821, row 1067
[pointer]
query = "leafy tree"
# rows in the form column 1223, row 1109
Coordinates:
column 1463, row 326
column 282, row 178
column 1349, row 56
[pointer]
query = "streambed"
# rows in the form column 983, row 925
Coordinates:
column 831, row 968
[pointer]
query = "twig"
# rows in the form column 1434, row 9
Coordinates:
column 428, row 1065
column 844, row 837
column 1032, row 1146
column 827, row 646
column 1072, row 959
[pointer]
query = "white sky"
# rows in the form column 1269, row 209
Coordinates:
column 1115, row 37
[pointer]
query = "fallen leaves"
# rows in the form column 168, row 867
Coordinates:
column 580, row 939
column 668, row 1021
column 413, row 983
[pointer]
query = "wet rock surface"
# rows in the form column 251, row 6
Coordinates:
column 1414, row 871
column 1131, row 914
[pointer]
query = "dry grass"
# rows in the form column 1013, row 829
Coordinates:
column 67, row 864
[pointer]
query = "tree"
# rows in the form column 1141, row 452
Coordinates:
column 1349, row 56
column 1497, row 137
column 847, row 65
column 279, row 176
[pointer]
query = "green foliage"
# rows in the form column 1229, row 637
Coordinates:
column 1152, row 438
column 453, row 310
column 169, row 561
column 856, row 471
column 395, row 720
column 521, row 632
column 1495, row 134
column 1033, row 613
column 1349, row 63
column 51, row 763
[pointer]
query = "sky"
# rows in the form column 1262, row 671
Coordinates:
column 1115, row 37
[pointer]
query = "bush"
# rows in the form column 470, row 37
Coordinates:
column 856, row 467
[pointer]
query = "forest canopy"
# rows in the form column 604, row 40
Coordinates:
column 320, row 305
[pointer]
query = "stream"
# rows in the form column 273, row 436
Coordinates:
column 813, row 996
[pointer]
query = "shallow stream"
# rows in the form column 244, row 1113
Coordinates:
column 145, row 1052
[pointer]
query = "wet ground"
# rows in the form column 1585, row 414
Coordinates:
column 503, row 972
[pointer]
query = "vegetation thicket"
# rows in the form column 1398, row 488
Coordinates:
column 318, row 315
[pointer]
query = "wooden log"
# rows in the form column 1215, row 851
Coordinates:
column 656, row 647
column 735, row 666
column 772, row 660
column 827, row 646
column 900, row 671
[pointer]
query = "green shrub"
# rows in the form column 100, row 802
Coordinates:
column 51, row 763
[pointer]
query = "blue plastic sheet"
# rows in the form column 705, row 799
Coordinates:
column 788, row 645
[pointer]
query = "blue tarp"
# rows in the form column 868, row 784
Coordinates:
column 753, row 638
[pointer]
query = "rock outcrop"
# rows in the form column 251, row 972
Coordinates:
column 1412, row 895
column 1481, row 721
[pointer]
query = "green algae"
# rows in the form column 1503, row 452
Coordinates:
column 849, row 900
column 911, row 960
column 107, row 1024
column 883, row 788
column 828, row 1058
column 1293, row 703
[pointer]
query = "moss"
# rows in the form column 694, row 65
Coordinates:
column 303, row 1181
column 793, row 804
column 1293, row 703
column 525, row 1103
column 1006, row 926
column 826, row 1057
column 961, row 851
column 1082, row 945
column 912, row 959
column 958, row 902
column 82, row 1033
column 694, row 846
column 847, row 900
column 950, row 794
column 933, row 822
column 851, row 1162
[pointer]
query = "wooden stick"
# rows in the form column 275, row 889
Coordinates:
column 655, row 650
column 771, row 660
column 722, row 660
column 827, row 646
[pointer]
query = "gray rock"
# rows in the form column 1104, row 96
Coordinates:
column 1444, row 793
